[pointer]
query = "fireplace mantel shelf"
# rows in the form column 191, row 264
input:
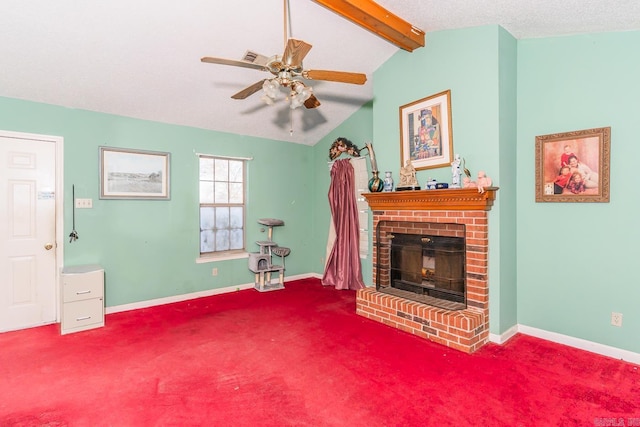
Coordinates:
column 452, row 199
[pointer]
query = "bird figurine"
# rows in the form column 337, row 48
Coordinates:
column 464, row 168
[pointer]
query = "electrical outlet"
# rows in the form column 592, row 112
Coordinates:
column 84, row 203
column 214, row 272
column 616, row 319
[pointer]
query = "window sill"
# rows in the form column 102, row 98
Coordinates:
column 222, row 257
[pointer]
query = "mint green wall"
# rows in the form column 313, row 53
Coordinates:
column 504, row 294
column 478, row 66
column 358, row 129
column 149, row 248
column 576, row 260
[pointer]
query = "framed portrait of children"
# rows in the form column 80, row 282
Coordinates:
column 573, row 166
column 425, row 132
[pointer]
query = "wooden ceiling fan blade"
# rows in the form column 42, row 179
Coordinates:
column 335, row 76
column 294, row 52
column 232, row 62
column 248, row 91
column 255, row 58
column 312, row 102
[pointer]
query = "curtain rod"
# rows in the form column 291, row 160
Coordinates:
column 224, row 157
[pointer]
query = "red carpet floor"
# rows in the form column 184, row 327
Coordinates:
column 297, row 357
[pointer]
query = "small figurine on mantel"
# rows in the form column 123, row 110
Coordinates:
column 465, row 170
column 467, row 183
column 455, row 172
column 483, row 181
column 408, row 180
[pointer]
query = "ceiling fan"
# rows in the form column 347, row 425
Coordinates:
column 287, row 71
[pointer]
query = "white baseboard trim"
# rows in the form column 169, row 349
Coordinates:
column 593, row 347
column 194, row 295
column 505, row 336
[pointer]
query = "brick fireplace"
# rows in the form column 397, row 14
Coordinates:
column 446, row 212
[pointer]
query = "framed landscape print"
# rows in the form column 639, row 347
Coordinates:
column 425, row 132
column 573, row 166
column 133, row 174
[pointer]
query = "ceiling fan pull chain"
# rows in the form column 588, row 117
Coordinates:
column 290, row 122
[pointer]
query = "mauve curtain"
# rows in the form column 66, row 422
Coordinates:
column 343, row 269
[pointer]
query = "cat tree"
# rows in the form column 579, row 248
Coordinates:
column 261, row 263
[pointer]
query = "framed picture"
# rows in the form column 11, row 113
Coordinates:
column 133, row 174
column 425, row 132
column 573, row 166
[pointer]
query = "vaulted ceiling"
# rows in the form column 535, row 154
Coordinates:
column 141, row 58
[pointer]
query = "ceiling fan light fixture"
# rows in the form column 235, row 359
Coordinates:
column 295, row 102
column 299, row 93
column 267, row 100
column 270, row 91
column 303, row 91
column 270, row 88
column 285, row 78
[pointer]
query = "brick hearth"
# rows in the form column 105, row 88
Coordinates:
column 467, row 329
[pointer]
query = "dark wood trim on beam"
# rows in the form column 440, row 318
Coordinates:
column 375, row 18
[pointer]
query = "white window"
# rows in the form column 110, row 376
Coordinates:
column 222, row 205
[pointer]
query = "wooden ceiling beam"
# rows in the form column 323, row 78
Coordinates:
column 375, row 18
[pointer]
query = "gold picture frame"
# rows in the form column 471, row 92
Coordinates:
column 573, row 166
column 426, row 133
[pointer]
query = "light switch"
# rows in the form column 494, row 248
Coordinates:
column 84, row 203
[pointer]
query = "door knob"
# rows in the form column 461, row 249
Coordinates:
column 48, row 246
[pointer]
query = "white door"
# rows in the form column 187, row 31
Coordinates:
column 27, row 232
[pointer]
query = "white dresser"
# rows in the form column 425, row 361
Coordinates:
column 82, row 298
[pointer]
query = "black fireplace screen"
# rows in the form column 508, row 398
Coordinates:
column 425, row 268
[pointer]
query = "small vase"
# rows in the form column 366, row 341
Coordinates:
column 375, row 184
column 388, row 182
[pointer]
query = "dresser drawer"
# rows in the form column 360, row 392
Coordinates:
column 78, row 287
column 83, row 314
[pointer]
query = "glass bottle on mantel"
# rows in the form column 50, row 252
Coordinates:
column 375, row 183
column 388, row 181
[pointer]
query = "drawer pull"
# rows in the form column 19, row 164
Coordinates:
column 83, row 292
column 78, row 319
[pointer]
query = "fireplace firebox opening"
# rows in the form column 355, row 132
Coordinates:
column 422, row 262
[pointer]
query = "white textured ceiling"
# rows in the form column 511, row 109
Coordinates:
column 142, row 58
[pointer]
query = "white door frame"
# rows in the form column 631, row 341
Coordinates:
column 59, row 198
